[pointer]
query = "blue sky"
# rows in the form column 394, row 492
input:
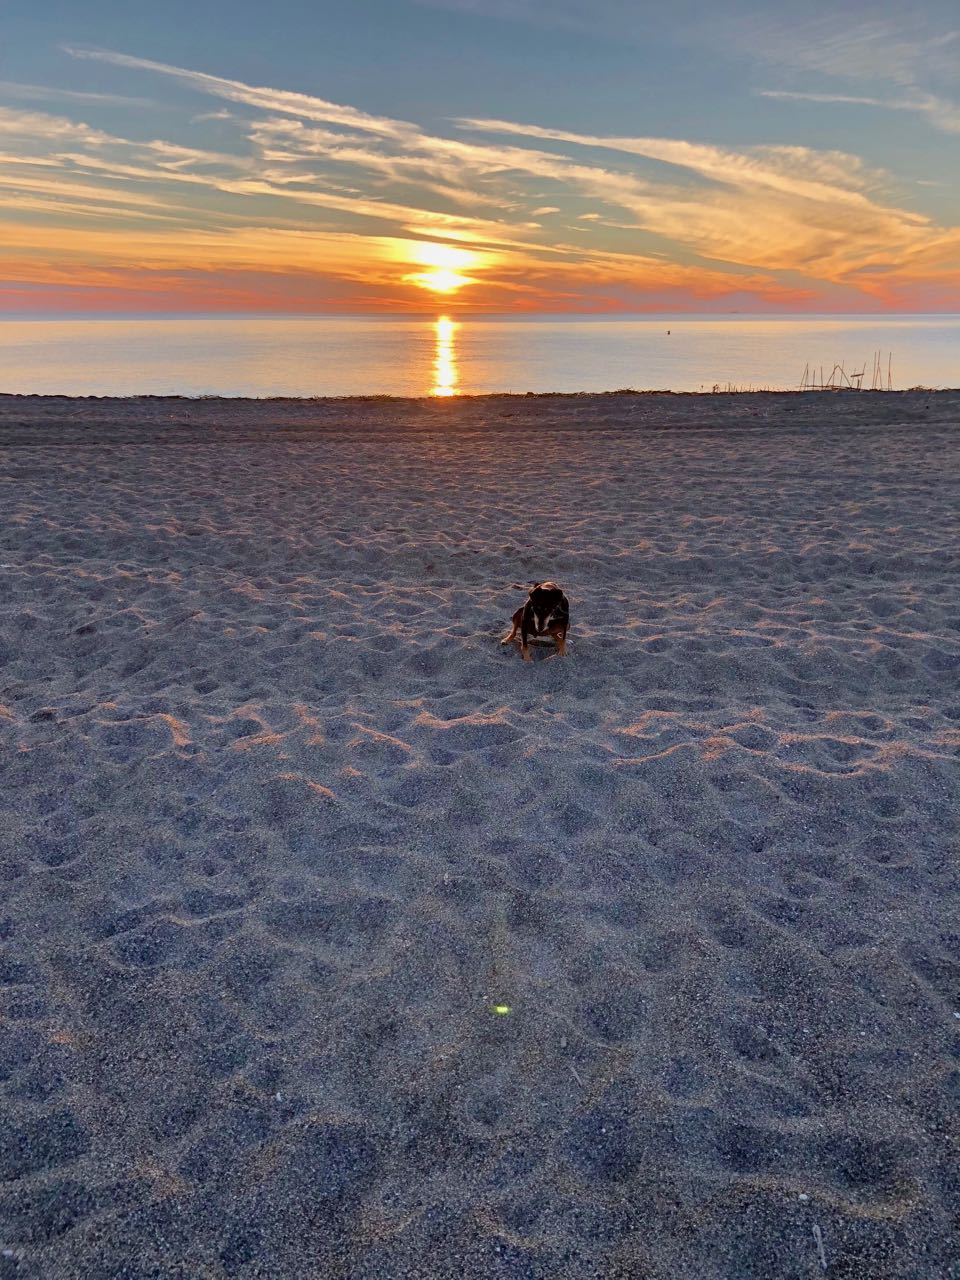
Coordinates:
column 713, row 162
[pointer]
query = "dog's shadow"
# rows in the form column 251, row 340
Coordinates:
column 535, row 642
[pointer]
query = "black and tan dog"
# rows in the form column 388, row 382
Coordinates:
column 546, row 613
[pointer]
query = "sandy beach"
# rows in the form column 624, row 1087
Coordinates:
column 338, row 942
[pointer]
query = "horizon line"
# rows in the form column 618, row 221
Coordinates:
column 463, row 317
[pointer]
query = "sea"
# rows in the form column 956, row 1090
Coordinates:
column 447, row 354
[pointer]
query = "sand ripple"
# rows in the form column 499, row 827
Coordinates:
column 283, row 825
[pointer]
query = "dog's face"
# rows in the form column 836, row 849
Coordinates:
column 548, row 605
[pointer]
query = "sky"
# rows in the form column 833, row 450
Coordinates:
column 483, row 156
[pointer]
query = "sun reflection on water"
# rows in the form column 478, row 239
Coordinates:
column 445, row 376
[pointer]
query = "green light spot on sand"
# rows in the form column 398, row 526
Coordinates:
column 502, row 1009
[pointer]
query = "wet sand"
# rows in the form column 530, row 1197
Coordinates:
column 283, row 827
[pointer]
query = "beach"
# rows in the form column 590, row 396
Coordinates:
column 337, row 941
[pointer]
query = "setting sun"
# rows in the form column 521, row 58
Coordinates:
column 446, row 264
column 441, row 280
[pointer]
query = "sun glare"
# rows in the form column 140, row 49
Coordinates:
column 446, row 264
column 441, row 281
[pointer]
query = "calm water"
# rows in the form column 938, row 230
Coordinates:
column 307, row 355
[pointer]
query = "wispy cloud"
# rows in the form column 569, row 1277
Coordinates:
column 790, row 95
column 851, row 44
column 47, row 93
column 303, row 105
column 784, row 208
column 943, row 113
column 38, row 126
column 900, row 62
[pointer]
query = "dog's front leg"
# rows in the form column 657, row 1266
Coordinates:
column 511, row 635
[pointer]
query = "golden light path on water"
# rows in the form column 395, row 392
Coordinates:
column 445, row 375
